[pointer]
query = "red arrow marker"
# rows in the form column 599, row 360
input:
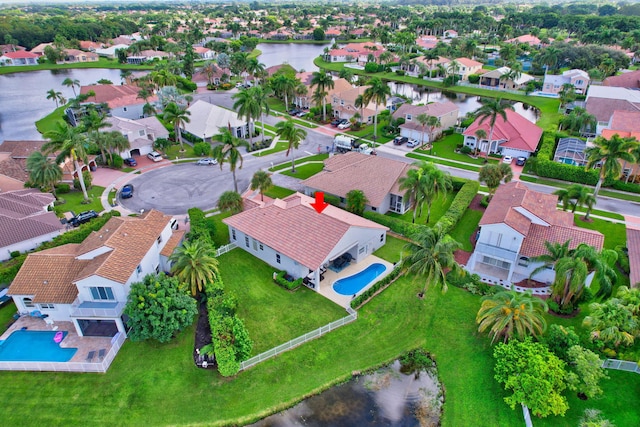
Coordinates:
column 319, row 204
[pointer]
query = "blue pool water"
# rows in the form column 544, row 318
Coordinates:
column 34, row 346
column 355, row 283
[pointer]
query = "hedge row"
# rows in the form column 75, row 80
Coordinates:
column 380, row 284
column 202, row 228
column 546, row 167
column 280, row 280
column 395, row 224
column 10, row 268
column 459, row 206
column 229, row 335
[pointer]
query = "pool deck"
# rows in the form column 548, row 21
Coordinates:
column 326, row 286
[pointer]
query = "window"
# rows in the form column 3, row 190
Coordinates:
column 124, row 109
column 361, row 250
column 523, row 261
column 382, row 237
column 261, row 247
column 28, row 302
column 408, row 117
column 139, row 269
column 246, row 241
column 159, row 240
column 157, row 269
column 141, row 132
column 102, row 293
column 374, row 209
column 579, row 82
column 278, row 258
column 47, row 306
column 233, row 234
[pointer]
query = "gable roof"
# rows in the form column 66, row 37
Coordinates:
column 436, row 109
column 376, row 176
column 207, row 119
column 627, row 121
column 629, row 80
column 470, row 63
column 518, row 132
column 23, row 216
column 20, row 54
column 115, row 95
column 292, row 227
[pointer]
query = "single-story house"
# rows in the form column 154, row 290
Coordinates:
column 76, row 55
column 140, row 133
column 25, row 221
column 204, row 52
column 514, row 229
column 290, row 235
column 88, row 283
column 205, row 121
column 146, row 55
column 19, row 57
column 515, row 137
column 111, row 51
column 39, row 49
column 377, row 177
column 496, row 78
column 529, row 39
column 629, row 80
column 553, row 84
column 446, row 111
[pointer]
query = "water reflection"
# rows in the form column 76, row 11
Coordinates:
column 387, row 397
column 300, row 56
column 466, row 103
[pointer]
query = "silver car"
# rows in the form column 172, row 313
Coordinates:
column 206, row 162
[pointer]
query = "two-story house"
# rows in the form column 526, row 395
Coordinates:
column 122, row 100
column 514, row 229
column 140, row 133
column 464, row 67
column 446, row 111
column 502, row 78
column 88, row 283
column 554, row 84
column 343, row 104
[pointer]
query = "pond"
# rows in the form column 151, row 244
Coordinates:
column 387, row 397
column 299, row 55
column 466, row 103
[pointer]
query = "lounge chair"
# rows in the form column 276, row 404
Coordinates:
column 91, row 355
column 101, row 353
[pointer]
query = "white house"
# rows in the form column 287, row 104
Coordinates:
column 514, row 228
column 498, row 78
column 206, row 120
column 88, row 283
column 123, row 100
column 140, row 133
column 290, row 235
column 19, row 57
column 25, row 221
column 553, row 84
column 111, row 51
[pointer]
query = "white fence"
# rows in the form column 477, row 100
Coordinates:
column 353, row 315
column 101, row 366
column 621, row 365
column 224, row 249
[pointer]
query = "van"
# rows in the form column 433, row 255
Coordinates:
column 155, row 156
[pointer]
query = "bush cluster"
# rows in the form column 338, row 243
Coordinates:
column 474, row 78
column 259, row 145
column 229, row 335
column 623, row 258
column 202, row 228
column 380, row 284
column 626, row 186
column 280, row 280
column 62, row 188
column 186, row 84
column 395, row 224
column 459, row 206
column 470, row 282
column 202, row 148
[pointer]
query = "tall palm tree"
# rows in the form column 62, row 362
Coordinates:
column 69, row 142
column 492, row 109
column 287, row 130
column 607, row 153
column 261, row 181
column 176, row 115
column 284, row 86
column 254, row 67
column 430, row 254
column 92, row 123
column 377, row 92
column 54, row 96
column 247, row 107
column 511, row 314
column 550, row 57
column 422, row 118
column 433, row 122
column 43, row 171
column 230, row 201
column 72, row 83
column 323, row 82
column 261, row 96
column 360, row 104
column 228, row 152
column 575, row 195
column 114, row 142
column 555, row 251
column 413, row 186
column 437, row 183
column 195, row 264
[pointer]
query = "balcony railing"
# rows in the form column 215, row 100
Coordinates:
column 495, row 251
column 96, row 308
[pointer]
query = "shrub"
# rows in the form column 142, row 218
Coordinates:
column 282, row 281
column 201, row 149
column 400, row 72
column 465, row 149
column 62, row 188
column 14, row 254
column 371, row 67
column 186, row 84
column 459, row 206
column 202, row 228
column 485, row 201
column 474, row 78
column 332, row 200
column 397, row 225
column 626, row 186
column 88, row 178
column 116, row 161
column 380, row 284
column 623, row 258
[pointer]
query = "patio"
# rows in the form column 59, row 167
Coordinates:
column 326, row 286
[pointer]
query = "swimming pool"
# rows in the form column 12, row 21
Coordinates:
column 353, row 284
column 34, row 346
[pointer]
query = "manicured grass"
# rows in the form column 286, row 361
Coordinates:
column 221, row 237
column 614, row 233
column 305, row 171
column 6, row 316
column 101, row 63
column 272, row 314
column 446, row 148
column 563, row 184
column 276, row 192
column 622, row 196
column 74, row 201
column 393, row 250
column 49, row 121
column 605, row 214
column 440, row 161
column 285, row 165
column 173, row 152
column 280, row 146
column 438, row 208
column 465, row 228
column 366, row 132
column 305, row 123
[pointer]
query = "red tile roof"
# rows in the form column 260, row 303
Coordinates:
column 115, row 95
column 21, row 54
column 533, row 243
column 293, row 228
column 627, row 121
column 629, row 80
column 23, row 216
column 633, row 245
column 518, row 132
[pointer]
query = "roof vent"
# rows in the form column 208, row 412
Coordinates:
column 46, row 282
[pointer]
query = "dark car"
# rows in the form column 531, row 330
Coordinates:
column 130, row 161
column 83, row 217
column 520, row 161
column 336, row 122
column 294, row 111
column 399, row 140
column 127, row 191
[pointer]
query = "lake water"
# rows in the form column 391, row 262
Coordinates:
column 23, row 97
column 299, row 55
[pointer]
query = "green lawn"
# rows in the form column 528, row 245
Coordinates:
column 465, row 228
column 446, row 148
column 49, row 121
column 101, row 63
column 305, row 171
column 280, row 146
column 6, row 316
column 392, row 250
column 276, row 192
column 614, row 233
column 366, row 132
column 287, row 164
column 221, row 237
column 74, row 201
column 438, row 208
column 173, row 152
column 440, row 161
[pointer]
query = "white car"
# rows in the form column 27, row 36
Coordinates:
column 344, row 125
column 207, row 162
column 155, row 156
column 507, row 159
column 412, row 143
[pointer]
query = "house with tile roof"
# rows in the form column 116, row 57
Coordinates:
column 19, row 57
column 446, row 111
column 205, row 121
column 422, row 65
column 140, row 133
column 553, row 84
column 289, row 234
column 76, row 55
column 526, row 39
column 343, row 103
column 88, row 283
column 25, row 221
column 603, row 101
column 498, row 78
column 377, row 177
column 514, row 229
column 465, row 67
column 629, row 80
column 122, row 100
column 515, row 137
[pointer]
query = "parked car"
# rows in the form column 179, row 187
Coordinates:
column 507, row 159
column 344, row 125
column 336, row 122
column 130, row 161
column 83, row 217
column 520, row 161
column 399, row 140
column 126, row 191
column 301, row 113
column 412, row 143
column 207, row 162
column 294, row 111
column 155, row 156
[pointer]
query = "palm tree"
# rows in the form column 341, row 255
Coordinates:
column 579, row 120
column 360, row 104
column 550, row 57
column 72, row 83
column 579, row 194
column 54, row 96
column 377, row 92
column 230, row 201
column 491, row 110
column 261, row 181
column 284, row 86
column 436, row 183
column 422, row 118
column 69, row 142
column 228, row 152
column 323, row 82
column 433, row 122
column 288, row 131
column 261, row 96
column 114, row 142
column 612, row 322
column 43, row 172
column 163, row 78
column 195, row 264
column 607, row 153
column 148, row 110
column 511, row 314
column 413, row 186
column 356, row 201
column 92, row 123
column 254, row 67
column 493, row 174
column 430, row 254
column 176, row 115
column 248, row 107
